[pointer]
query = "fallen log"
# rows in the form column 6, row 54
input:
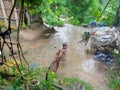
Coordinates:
column 55, row 64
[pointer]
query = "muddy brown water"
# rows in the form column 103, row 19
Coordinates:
column 77, row 63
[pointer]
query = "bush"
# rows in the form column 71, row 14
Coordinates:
column 75, row 21
column 114, row 74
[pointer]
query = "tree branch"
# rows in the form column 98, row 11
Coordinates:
column 9, row 19
column 103, row 10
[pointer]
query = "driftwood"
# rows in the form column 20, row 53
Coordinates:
column 55, row 64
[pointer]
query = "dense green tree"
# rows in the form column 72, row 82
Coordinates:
column 110, row 12
column 117, row 16
column 76, row 11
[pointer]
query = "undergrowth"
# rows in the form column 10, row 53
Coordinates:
column 114, row 74
column 39, row 73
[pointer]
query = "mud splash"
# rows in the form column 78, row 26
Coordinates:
column 77, row 63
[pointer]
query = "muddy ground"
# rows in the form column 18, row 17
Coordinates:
column 41, row 49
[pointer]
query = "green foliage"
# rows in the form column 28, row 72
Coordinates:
column 18, row 82
column 117, row 55
column 49, row 84
column 114, row 74
column 109, row 13
column 114, row 78
column 32, row 11
column 78, row 10
column 33, row 74
column 50, row 11
column 114, row 83
column 83, row 11
column 24, row 25
column 74, row 21
column 3, row 82
column 68, row 81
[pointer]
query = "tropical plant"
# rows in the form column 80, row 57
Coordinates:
column 114, row 78
column 54, row 11
column 114, row 73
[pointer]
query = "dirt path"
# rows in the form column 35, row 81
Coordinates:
column 77, row 64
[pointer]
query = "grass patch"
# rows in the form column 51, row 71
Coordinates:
column 39, row 73
column 115, row 84
column 114, row 74
column 69, row 81
column 3, row 25
column 114, row 78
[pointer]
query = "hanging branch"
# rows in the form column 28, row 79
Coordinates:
column 103, row 10
column 9, row 19
column 20, row 17
column 18, row 30
column 4, row 42
column 7, row 35
column 9, row 25
column 9, row 28
column 117, row 16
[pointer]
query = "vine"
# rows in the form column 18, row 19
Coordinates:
column 7, row 40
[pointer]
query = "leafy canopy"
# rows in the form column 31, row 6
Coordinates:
column 77, row 12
